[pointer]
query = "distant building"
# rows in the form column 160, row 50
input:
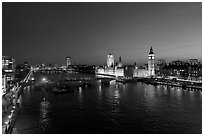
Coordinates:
column 177, row 63
column 177, row 69
column 146, row 70
column 111, row 68
column 119, row 72
column 85, row 68
column 42, row 66
column 195, row 71
column 193, row 61
column 128, row 71
column 110, row 60
column 26, row 65
column 113, row 71
column 8, row 67
column 159, row 67
column 109, row 71
column 184, row 70
column 68, row 61
column 151, row 66
column 145, row 66
column 140, row 73
column 8, row 64
column 161, row 61
column 4, row 83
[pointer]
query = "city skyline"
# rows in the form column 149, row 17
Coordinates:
column 87, row 32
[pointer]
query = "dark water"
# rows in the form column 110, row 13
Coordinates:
column 130, row 108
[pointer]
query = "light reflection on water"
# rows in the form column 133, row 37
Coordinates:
column 178, row 94
column 100, row 93
column 149, row 97
column 80, row 97
column 99, row 89
column 116, row 94
column 122, row 108
column 44, row 115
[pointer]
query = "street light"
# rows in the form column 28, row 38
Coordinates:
column 6, row 122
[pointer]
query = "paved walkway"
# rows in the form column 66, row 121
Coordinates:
column 8, row 109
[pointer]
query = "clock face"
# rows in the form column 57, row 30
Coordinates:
column 151, row 57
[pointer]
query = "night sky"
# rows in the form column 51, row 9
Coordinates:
column 87, row 32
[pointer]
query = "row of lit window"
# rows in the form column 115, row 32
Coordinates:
column 8, row 78
column 8, row 70
column 7, row 61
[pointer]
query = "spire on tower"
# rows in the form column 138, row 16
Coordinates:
column 151, row 51
column 120, row 59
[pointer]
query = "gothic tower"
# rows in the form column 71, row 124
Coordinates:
column 120, row 64
column 110, row 60
column 151, row 67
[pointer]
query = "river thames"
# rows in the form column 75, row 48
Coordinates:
column 106, row 109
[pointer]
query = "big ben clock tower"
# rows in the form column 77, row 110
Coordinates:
column 151, row 67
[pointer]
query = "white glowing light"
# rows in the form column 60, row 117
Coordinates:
column 80, row 90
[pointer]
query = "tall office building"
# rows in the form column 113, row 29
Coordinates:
column 151, row 59
column 68, row 61
column 110, row 60
column 8, row 67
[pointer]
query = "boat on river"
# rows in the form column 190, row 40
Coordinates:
column 62, row 88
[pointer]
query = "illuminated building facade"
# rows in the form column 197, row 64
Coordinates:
column 146, row 70
column 110, row 60
column 184, row 70
column 111, row 68
column 8, row 67
column 119, row 72
column 140, row 73
column 151, row 66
